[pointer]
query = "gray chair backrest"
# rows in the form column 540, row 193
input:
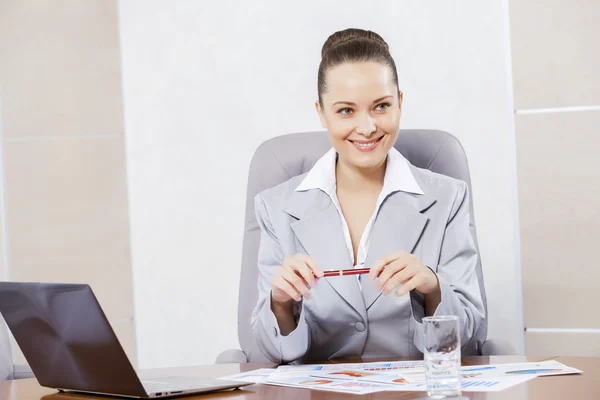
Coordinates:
column 283, row 157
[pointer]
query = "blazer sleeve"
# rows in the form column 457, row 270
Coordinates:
column 457, row 275
column 274, row 345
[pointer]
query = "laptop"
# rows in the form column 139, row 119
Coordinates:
column 70, row 345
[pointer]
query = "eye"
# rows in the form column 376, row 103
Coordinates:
column 383, row 106
column 344, row 111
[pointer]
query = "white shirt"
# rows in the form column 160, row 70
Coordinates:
column 398, row 177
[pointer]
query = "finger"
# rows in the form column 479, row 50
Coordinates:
column 389, row 271
column 399, row 278
column 375, row 270
column 312, row 264
column 415, row 282
column 283, row 285
column 296, row 280
column 294, row 268
column 382, row 264
column 304, row 270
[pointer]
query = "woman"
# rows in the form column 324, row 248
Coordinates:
column 362, row 205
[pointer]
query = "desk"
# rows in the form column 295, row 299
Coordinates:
column 586, row 386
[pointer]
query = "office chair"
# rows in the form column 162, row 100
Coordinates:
column 283, row 157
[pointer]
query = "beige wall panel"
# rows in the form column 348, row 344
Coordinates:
column 60, row 68
column 125, row 331
column 562, row 344
column 559, row 192
column 555, row 53
column 67, row 214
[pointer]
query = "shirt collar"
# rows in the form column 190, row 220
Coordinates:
column 398, row 176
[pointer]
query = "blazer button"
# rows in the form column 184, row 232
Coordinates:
column 359, row 326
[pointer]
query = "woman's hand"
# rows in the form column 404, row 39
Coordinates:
column 294, row 279
column 402, row 268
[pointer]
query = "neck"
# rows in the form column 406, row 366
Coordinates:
column 351, row 178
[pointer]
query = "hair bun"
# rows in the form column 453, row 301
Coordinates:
column 351, row 46
column 349, row 35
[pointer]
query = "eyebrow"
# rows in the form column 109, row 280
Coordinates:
column 353, row 104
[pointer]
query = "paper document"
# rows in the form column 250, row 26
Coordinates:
column 502, row 371
column 492, row 385
column 359, row 375
column 395, row 366
column 414, row 380
column 317, row 376
column 409, row 376
column 471, row 385
column 541, row 368
column 365, row 387
column 333, row 385
column 256, row 376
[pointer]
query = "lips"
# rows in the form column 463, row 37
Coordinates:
column 367, row 141
column 366, row 145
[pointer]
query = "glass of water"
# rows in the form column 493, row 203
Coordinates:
column 442, row 356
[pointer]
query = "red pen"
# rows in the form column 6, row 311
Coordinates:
column 345, row 272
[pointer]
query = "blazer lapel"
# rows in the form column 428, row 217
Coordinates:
column 398, row 226
column 319, row 231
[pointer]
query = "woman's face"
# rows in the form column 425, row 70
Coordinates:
column 361, row 112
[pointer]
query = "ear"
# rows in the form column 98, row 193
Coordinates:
column 321, row 114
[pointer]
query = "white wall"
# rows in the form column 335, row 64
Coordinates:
column 206, row 82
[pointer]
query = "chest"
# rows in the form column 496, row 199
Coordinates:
column 357, row 211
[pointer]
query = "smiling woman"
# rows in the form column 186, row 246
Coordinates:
column 422, row 250
column 359, row 99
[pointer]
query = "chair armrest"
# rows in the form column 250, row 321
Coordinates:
column 232, row 356
column 496, row 347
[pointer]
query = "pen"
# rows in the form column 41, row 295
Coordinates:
column 345, row 272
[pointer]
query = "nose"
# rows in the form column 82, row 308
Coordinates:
column 366, row 126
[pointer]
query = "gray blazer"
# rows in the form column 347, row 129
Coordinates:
column 341, row 320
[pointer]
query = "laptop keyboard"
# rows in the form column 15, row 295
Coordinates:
column 172, row 384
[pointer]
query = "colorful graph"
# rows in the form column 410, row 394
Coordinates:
column 354, row 374
column 466, row 384
column 316, row 382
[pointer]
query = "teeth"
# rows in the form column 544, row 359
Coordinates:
column 365, row 144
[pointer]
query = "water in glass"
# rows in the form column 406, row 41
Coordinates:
column 442, row 356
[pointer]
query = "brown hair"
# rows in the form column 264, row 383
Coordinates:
column 353, row 45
